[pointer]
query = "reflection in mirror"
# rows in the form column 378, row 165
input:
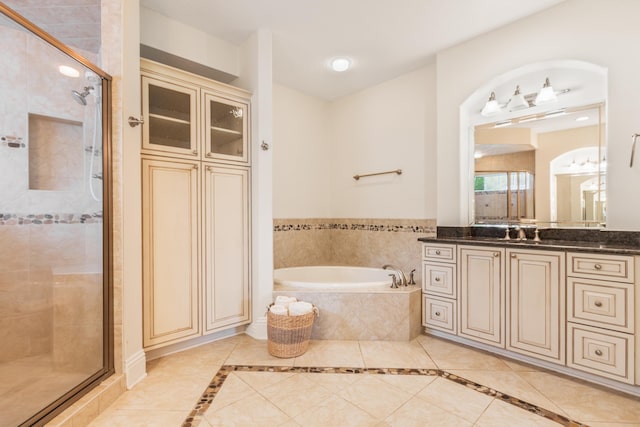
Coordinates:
column 548, row 168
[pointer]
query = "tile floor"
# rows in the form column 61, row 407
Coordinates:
column 442, row 384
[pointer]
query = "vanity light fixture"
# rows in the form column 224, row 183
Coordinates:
column 491, row 107
column 546, row 95
column 517, row 101
column 340, row 64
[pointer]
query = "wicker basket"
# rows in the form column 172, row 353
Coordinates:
column 288, row 336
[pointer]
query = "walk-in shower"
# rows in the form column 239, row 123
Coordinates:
column 55, row 284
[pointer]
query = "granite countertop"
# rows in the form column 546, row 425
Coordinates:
column 568, row 245
column 578, row 240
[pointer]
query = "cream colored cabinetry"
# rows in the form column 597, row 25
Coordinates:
column 439, row 287
column 601, row 321
column 536, row 304
column 226, row 246
column 192, row 117
column 481, row 294
column 196, row 206
column 171, row 298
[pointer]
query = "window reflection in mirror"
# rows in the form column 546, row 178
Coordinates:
column 547, row 168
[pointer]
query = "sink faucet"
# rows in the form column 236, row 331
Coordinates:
column 403, row 278
column 521, row 234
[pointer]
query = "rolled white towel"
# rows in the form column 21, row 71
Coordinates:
column 284, row 300
column 299, row 308
column 279, row 310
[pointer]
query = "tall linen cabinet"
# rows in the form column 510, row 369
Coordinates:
column 196, row 236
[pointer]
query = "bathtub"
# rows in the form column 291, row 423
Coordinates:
column 355, row 303
column 332, row 277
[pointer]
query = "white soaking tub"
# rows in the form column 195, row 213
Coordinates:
column 332, row 277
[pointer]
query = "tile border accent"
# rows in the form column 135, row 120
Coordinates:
column 50, row 218
column 359, row 224
column 195, row 416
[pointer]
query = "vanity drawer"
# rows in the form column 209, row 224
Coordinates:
column 601, row 304
column 439, row 279
column 438, row 313
column 608, row 267
column 605, row 353
column 438, row 252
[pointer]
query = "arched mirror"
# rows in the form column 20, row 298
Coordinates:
column 536, row 159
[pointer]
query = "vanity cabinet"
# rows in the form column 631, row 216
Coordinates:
column 482, row 293
column 574, row 312
column 439, row 287
column 601, row 316
column 535, row 310
column 195, row 206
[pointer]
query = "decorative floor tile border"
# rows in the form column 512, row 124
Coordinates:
column 195, row 416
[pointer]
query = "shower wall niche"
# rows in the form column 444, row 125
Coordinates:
column 54, row 278
column 56, row 160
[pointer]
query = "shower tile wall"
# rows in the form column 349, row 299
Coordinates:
column 356, row 242
column 51, row 240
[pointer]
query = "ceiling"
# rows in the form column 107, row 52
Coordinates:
column 383, row 38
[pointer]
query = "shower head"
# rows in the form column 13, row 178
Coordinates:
column 81, row 98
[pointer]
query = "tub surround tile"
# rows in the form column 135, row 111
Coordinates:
column 350, row 241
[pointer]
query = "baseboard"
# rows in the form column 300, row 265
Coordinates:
column 135, row 369
column 258, row 329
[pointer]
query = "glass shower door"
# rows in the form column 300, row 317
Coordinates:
column 54, row 281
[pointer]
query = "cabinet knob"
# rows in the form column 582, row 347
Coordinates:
column 597, row 267
column 437, row 279
column 195, row 152
column 496, row 254
column 514, row 256
column 209, row 154
column 438, row 314
column 134, row 121
column 437, row 252
column 195, row 166
column 598, row 303
column 598, row 352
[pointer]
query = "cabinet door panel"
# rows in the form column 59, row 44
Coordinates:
column 481, row 294
column 169, row 111
column 226, row 230
column 226, row 129
column 170, row 251
column 536, row 308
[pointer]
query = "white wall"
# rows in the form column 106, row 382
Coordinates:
column 321, row 146
column 385, row 127
column 589, row 30
column 302, row 155
column 174, row 37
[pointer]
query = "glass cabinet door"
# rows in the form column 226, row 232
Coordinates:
column 225, row 129
column 170, row 115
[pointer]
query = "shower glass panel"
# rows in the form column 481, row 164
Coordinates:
column 54, row 246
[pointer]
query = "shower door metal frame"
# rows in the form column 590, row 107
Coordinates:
column 67, row 399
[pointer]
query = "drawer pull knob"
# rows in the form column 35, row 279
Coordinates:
column 438, row 314
column 597, row 267
column 496, row 254
column 437, row 252
column 437, row 279
column 514, row 256
column 598, row 352
column 598, row 303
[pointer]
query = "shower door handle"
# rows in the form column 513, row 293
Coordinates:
column 134, row 121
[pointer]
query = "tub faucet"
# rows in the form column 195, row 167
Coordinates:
column 403, row 278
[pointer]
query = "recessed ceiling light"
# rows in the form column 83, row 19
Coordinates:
column 340, row 64
column 68, row 71
column 582, row 118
